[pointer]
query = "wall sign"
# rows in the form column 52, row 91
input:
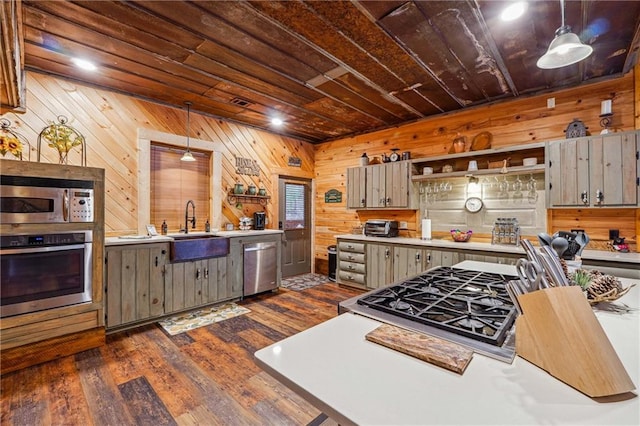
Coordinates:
column 295, row 161
column 333, row 196
column 247, row 166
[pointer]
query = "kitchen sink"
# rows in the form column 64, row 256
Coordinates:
column 186, row 247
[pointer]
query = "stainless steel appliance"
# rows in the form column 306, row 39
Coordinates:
column 260, row 273
column 43, row 271
column 381, row 228
column 468, row 307
column 45, row 200
column 259, row 220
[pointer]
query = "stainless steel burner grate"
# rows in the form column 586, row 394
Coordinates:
column 468, row 303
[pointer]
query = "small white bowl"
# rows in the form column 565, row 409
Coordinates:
column 427, row 170
column 529, row 161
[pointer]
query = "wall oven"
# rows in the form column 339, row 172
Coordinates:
column 43, row 271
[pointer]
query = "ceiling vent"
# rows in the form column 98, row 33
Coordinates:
column 240, row 102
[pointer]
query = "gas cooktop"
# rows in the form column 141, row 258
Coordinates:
column 465, row 306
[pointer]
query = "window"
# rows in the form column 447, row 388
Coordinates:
column 294, row 206
column 174, row 182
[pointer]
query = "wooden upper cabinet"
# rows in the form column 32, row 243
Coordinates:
column 379, row 186
column 595, row 171
column 614, row 170
column 356, row 187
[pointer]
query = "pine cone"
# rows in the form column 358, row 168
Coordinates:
column 603, row 286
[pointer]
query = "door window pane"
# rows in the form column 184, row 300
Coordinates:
column 294, row 194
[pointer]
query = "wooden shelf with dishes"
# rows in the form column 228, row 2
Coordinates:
column 488, row 161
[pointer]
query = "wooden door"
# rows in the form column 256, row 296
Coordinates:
column 375, row 186
column 356, row 187
column 135, row 284
column 397, row 184
column 295, row 221
column 408, row 262
column 613, row 170
column 569, row 173
column 379, row 265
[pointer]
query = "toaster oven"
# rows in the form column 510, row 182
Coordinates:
column 381, row 228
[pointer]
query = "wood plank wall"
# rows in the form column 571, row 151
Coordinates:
column 516, row 122
column 110, row 122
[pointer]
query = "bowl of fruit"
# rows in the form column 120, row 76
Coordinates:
column 461, row 236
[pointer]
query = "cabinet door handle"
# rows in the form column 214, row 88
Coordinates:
column 206, row 273
column 417, row 256
column 350, row 266
column 363, row 202
column 350, row 257
column 387, row 253
column 156, row 261
column 599, row 196
column 388, row 202
column 382, row 201
column 585, row 198
column 198, row 274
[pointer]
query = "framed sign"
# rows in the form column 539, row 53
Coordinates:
column 247, row 166
column 295, row 161
column 333, row 196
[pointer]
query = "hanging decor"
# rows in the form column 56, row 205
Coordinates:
column 12, row 142
column 63, row 138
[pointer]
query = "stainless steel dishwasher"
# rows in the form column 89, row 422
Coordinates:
column 260, row 272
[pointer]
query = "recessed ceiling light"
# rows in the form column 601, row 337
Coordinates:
column 513, row 11
column 84, row 64
column 276, row 121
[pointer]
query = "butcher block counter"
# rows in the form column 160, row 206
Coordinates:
column 355, row 381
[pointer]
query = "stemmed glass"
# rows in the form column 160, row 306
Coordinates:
column 503, row 188
column 517, row 188
column 532, row 195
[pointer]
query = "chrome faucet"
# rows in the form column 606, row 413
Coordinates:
column 187, row 219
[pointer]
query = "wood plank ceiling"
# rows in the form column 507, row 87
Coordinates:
column 329, row 69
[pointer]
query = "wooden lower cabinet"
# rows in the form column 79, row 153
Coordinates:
column 134, row 282
column 192, row 284
column 141, row 284
column 379, row 265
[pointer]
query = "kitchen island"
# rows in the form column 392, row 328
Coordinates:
column 355, row 381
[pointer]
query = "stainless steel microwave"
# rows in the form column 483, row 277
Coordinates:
column 45, row 200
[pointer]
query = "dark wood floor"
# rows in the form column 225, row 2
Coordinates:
column 206, row 376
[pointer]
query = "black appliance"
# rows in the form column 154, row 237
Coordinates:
column 259, row 220
column 468, row 307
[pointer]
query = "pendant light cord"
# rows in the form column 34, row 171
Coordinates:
column 188, row 121
column 562, row 11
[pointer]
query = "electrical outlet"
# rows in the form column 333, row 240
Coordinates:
column 403, row 225
column 551, row 102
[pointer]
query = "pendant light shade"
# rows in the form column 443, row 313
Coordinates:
column 188, row 156
column 565, row 49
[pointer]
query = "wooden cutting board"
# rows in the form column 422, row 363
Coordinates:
column 431, row 349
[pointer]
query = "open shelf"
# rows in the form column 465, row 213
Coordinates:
column 246, row 198
column 483, row 153
column 510, row 170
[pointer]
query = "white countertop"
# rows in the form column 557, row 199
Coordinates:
column 601, row 255
column 355, row 381
column 144, row 239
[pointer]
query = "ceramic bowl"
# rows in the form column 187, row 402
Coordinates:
column 529, row 161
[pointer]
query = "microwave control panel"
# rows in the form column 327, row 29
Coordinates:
column 81, row 205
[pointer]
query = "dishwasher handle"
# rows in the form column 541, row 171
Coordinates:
column 259, row 246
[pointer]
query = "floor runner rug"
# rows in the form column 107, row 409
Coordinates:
column 192, row 320
column 304, row 281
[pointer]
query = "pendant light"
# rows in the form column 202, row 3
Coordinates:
column 187, row 156
column 565, row 49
